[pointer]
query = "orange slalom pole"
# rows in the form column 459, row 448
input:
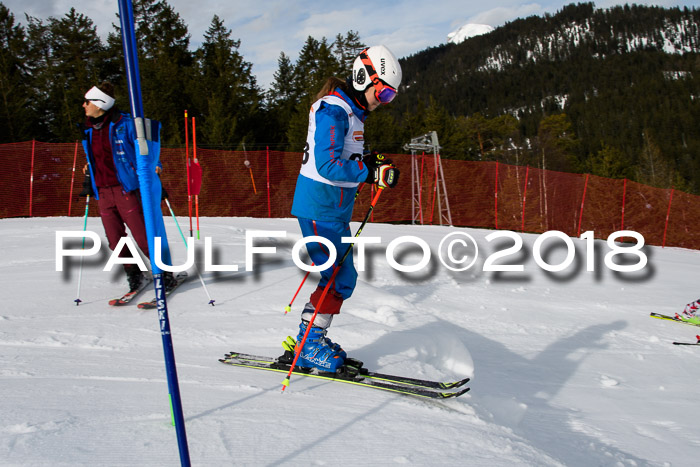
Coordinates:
column 196, row 204
column 300, row 345
column 247, row 164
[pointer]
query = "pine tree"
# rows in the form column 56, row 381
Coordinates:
column 281, row 101
column 382, row 133
column 556, row 143
column 346, row 49
column 463, row 146
column 60, row 72
column 315, row 64
column 653, row 169
column 16, row 116
column 282, row 91
column 504, row 134
column 227, row 89
column 608, row 162
column 165, row 63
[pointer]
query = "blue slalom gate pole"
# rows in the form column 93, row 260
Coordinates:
column 147, row 179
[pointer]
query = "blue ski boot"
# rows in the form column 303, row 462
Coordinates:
column 316, row 352
column 324, row 321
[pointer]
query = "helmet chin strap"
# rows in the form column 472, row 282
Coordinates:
column 358, row 96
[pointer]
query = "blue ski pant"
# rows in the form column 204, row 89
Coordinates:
column 346, row 279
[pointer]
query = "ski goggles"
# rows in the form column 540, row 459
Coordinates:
column 382, row 91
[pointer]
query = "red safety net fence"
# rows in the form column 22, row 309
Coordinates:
column 44, row 179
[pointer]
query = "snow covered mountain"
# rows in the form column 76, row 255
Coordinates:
column 468, row 30
column 600, row 34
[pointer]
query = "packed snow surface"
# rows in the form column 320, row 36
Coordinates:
column 568, row 368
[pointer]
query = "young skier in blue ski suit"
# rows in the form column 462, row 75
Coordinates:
column 332, row 168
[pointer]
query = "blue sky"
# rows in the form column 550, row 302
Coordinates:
column 267, row 28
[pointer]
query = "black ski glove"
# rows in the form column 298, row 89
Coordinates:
column 87, row 187
column 374, row 160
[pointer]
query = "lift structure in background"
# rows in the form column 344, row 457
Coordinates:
column 428, row 143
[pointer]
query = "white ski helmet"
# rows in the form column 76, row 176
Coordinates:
column 382, row 62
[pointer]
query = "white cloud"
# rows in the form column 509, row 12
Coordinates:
column 501, row 15
column 329, row 24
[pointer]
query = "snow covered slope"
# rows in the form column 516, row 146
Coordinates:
column 568, row 368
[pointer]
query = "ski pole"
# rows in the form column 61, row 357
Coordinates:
column 300, row 345
column 80, row 271
column 211, row 301
column 288, row 308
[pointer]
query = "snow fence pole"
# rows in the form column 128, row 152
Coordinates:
column 80, row 271
column 300, row 345
column 495, row 199
column 187, row 165
column 196, row 161
column 583, row 200
column 150, row 189
column 668, row 214
column 72, row 180
column 267, row 171
column 31, row 179
column 522, row 226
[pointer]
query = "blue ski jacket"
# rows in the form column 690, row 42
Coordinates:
column 122, row 137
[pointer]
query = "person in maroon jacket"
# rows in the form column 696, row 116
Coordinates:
column 113, row 176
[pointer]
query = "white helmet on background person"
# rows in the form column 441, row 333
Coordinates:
column 377, row 63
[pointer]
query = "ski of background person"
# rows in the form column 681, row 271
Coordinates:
column 153, row 304
column 130, row 296
column 671, row 318
column 689, row 343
